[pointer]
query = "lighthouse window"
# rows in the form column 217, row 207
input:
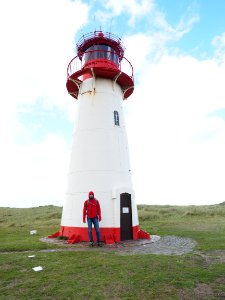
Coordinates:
column 101, row 51
column 116, row 118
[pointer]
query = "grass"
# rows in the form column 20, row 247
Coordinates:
column 16, row 224
column 105, row 274
column 205, row 224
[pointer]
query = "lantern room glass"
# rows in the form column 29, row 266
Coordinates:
column 102, row 52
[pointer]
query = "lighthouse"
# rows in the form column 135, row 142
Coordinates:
column 100, row 78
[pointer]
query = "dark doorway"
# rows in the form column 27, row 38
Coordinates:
column 126, row 232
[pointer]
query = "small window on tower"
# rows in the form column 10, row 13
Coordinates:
column 116, row 118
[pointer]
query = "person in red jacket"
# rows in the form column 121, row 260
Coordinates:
column 93, row 212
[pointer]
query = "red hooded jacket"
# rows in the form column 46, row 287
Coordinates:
column 91, row 208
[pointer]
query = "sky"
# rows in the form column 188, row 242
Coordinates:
column 175, row 118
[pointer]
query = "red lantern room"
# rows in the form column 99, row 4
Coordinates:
column 100, row 55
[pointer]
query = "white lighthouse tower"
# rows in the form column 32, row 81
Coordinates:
column 100, row 78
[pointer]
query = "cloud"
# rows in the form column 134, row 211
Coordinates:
column 180, row 154
column 169, row 32
column 219, row 43
column 134, row 8
column 37, row 43
column 131, row 10
column 34, row 174
column 158, row 39
column 138, row 43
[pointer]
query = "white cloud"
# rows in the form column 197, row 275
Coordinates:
column 133, row 7
column 35, row 174
column 138, row 43
column 219, row 43
column 114, row 8
column 186, row 22
column 169, row 32
column 37, row 43
column 152, row 44
column 180, row 154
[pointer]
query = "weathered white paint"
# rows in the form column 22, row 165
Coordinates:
column 99, row 158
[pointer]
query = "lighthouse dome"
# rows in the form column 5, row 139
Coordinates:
column 100, row 55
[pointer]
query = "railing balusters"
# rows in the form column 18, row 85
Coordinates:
column 124, row 65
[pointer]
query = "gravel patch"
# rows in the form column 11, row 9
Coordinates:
column 167, row 245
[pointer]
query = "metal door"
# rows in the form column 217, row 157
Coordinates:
column 126, row 232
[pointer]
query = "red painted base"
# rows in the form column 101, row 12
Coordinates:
column 108, row 235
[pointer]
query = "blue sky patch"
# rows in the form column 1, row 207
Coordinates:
column 218, row 113
column 35, row 119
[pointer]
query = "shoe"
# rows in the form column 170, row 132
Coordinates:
column 91, row 244
column 100, row 244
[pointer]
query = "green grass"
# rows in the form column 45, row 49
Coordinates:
column 205, row 224
column 16, row 224
column 99, row 274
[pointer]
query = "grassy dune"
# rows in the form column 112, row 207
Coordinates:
column 102, row 274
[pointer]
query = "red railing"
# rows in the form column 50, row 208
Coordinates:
column 96, row 34
column 121, row 63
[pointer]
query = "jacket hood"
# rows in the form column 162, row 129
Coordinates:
column 91, row 193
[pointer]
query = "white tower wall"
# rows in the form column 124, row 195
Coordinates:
column 99, row 158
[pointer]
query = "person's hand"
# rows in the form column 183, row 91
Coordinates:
column 99, row 219
column 84, row 221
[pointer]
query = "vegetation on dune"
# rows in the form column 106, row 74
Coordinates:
column 16, row 224
column 205, row 224
column 105, row 274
